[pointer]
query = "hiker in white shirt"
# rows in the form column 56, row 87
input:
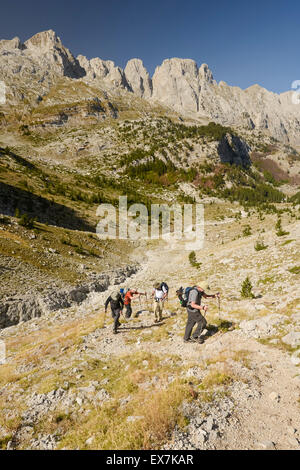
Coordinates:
column 159, row 296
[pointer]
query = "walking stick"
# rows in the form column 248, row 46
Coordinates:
column 219, row 306
column 104, row 319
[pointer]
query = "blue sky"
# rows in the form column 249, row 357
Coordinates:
column 242, row 42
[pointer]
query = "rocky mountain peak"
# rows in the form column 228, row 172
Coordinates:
column 55, row 55
column 14, row 43
column 205, row 74
column 138, row 78
column 44, row 41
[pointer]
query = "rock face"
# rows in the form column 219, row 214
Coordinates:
column 105, row 70
column 30, row 69
column 232, row 149
column 176, row 83
column 138, row 78
column 46, row 46
column 14, row 310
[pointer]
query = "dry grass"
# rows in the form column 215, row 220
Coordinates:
column 157, row 414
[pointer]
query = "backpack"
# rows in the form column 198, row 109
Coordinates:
column 165, row 286
column 183, row 295
column 122, row 293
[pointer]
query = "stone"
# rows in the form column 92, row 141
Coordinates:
column 209, row 425
column 266, row 445
column 102, row 395
column 132, row 419
column 274, row 396
column 295, row 358
column 291, row 430
column 292, row 339
column 90, row 441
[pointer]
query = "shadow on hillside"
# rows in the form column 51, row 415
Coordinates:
column 50, row 212
column 223, row 326
column 20, row 160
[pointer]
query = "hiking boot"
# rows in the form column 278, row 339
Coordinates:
column 115, row 332
column 200, row 340
column 190, row 340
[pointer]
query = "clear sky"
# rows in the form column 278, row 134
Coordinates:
column 243, row 42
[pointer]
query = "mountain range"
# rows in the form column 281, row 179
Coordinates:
column 30, row 69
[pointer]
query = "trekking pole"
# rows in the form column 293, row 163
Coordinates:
column 219, row 306
column 104, row 318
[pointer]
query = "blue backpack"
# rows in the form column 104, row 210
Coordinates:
column 183, row 295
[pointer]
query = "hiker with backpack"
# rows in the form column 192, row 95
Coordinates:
column 116, row 304
column 191, row 299
column 159, row 295
column 127, row 301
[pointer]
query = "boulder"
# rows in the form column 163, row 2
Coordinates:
column 292, row 339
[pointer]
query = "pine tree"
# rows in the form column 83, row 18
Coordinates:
column 246, row 290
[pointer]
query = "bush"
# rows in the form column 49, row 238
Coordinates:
column 279, row 230
column 4, row 220
column 259, row 245
column 247, row 231
column 295, row 198
column 246, row 290
column 295, row 270
column 27, row 221
column 193, row 260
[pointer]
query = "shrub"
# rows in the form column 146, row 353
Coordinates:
column 27, row 221
column 246, row 289
column 4, row 220
column 247, row 231
column 259, row 245
column 279, row 230
column 295, row 198
column 295, row 270
column 193, row 260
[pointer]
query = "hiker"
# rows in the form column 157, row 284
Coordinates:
column 116, row 304
column 194, row 309
column 127, row 301
column 159, row 296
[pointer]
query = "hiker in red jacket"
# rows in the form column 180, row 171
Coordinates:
column 130, row 294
